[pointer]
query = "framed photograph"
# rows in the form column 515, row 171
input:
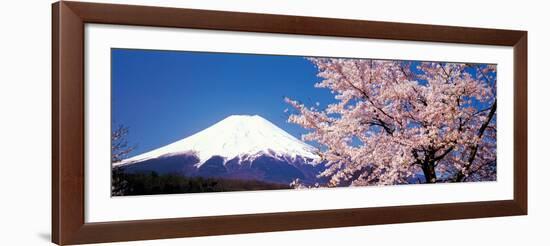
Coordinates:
column 174, row 122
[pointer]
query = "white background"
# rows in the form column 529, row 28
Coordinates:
column 25, row 122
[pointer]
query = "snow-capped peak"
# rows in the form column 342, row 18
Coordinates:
column 235, row 136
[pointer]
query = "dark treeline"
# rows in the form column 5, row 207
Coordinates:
column 151, row 183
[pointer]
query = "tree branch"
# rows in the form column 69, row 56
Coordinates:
column 473, row 149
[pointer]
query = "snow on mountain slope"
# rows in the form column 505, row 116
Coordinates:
column 240, row 136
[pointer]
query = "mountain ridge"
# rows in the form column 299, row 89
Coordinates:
column 237, row 136
column 239, row 147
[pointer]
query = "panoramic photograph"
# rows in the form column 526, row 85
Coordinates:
column 194, row 122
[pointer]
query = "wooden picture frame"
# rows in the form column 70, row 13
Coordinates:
column 68, row 110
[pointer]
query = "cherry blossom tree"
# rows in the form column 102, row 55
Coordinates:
column 397, row 122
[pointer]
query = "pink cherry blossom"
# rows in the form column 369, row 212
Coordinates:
column 393, row 123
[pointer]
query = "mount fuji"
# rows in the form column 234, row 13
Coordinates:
column 239, row 147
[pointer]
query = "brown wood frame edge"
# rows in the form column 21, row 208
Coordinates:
column 68, row 19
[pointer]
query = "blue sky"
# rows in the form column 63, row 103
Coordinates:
column 164, row 96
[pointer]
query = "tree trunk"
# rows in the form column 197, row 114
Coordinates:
column 460, row 177
column 429, row 171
